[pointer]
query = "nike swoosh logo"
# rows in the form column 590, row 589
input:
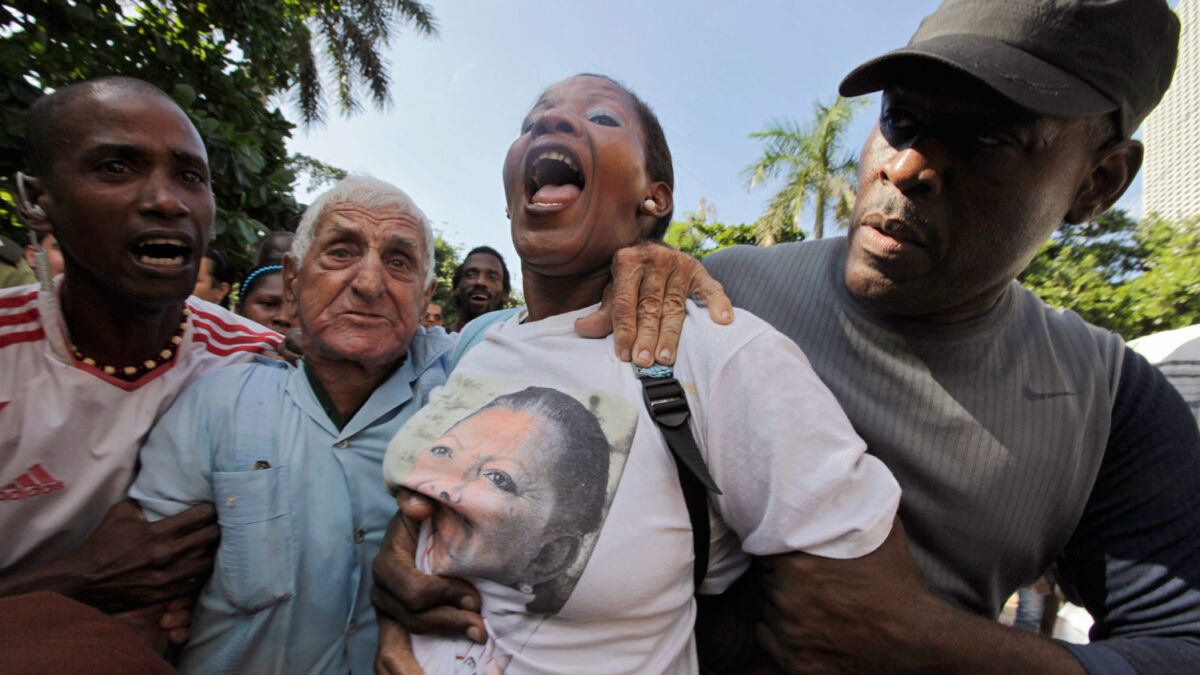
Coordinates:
column 1031, row 395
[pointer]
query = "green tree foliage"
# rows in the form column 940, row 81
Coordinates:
column 698, row 237
column 1132, row 278
column 446, row 260
column 222, row 61
column 319, row 173
column 815, row 169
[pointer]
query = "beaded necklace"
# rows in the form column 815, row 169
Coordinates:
column 131, row 373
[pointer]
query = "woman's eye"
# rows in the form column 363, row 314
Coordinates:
column 604, row 119
column 501, row 480
column 441, row 451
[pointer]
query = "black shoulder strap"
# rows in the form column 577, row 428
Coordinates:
column 668, row 406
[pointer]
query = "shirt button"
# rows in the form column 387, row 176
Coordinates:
column 231, row 500
column 342, row 444
column 359, row 535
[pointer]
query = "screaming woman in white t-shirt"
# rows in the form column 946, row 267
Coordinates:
column 556, row 494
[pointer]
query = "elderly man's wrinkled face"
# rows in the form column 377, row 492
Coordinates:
column 360, row 291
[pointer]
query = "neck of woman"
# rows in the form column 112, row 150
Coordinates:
column 550, row 296
column 114, row 330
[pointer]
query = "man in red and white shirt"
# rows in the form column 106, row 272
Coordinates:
column 90, row 361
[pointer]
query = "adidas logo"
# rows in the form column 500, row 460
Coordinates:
column 35, row 482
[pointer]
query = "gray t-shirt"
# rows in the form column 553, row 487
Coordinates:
column 998, row 430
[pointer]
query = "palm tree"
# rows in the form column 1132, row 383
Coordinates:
column 302, row 45
column 352, row 32
column 807, row 157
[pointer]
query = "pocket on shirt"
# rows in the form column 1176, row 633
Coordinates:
column 255, row 561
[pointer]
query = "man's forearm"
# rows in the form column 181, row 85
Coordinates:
column 58, row 576
column 871, row 614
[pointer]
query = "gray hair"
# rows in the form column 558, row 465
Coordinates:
column 369, row 193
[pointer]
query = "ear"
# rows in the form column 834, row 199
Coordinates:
column 429, row 295
column 1112, row 171
column 224, row 286
column 290, row 273
column 658, row 193
column 555, row 558
column 31, row 200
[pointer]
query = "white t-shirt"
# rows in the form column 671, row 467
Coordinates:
column 69, row 434
column 1177, row 355
column 793, row 474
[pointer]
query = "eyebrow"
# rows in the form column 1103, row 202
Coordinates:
column 189, row 158
column 122, row 150
column 133, row 151
column 609, row 94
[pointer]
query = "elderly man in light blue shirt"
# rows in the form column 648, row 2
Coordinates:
column 291, row 457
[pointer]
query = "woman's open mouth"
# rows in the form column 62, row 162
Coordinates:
column 553, row 179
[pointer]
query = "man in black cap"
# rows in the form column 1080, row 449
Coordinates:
column 1023, row 438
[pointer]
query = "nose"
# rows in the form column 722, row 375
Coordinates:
column 914, row 170
column 556, row 121
column 161, row 196
column 368, row 280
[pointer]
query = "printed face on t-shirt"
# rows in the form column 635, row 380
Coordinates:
column 491, row 474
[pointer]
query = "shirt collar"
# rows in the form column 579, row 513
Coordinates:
column 424, row 351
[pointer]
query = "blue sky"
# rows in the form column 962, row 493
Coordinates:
column 714, row 73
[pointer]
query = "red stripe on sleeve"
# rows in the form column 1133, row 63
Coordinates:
column 24, row 336
column 18, row 300
column 28, row 316
column 233, row 327
column 225, row 350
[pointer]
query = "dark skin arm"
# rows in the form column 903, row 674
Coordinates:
column 645, row 303
column 871, row 614
column 129, row 563
column 421, row 603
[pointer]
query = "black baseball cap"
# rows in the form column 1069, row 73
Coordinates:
column 1067, row 58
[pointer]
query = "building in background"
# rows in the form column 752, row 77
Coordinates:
column 1172, row 132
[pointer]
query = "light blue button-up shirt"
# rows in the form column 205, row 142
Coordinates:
column 301, row 505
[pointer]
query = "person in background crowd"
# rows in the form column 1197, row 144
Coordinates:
column 292, row 456
column 53, row 254
column 433, row 315
column 261, row 298
column 91, row 360
column 215, row 278
column 481, row 284
column 271, row 248
column 1021, row 436
column 14, row 271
